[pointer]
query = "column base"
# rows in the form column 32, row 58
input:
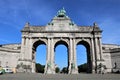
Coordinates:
column 24, row 65
column 49, row 71
column 93, row 72
column 73, row 71
column 49, row 68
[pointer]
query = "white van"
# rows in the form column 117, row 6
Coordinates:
column 8, row 70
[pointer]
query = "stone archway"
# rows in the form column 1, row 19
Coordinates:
column 88, row 54
column 34, row 50
column 61, row 30
column 62, row 42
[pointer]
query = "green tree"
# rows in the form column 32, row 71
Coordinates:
column 82, row 68
column 64, row 70
column 40, row 68
column 57, row 70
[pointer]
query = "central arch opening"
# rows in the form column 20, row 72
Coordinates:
column 61, row 57
column 39, row 55
column 83, row 57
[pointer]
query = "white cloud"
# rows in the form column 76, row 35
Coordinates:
column 5, row 41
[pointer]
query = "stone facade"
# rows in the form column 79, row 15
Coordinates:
column 61, row 30
column 9, row 55
column 111, row 55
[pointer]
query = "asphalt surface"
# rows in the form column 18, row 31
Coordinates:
column 36, row 76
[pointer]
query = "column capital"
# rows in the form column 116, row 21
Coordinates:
column 30, row 37
column 23, row 36
column 39, row 38
column 91, row 38
column 49, row 37
column 71, row 37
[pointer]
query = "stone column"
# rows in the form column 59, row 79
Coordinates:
column 52, row 57
column 72, row 63
column 26, row 52
column 31, row 54
column 48, row 50
column 100, row 43
column 100, row 53
column 47, row 67
column 26, row 48
column 22, row 55
column 33, row 67
column 22, row 48
column 70, row 55
column 93, row 56
column 74, row 58
column 30, row 49
column 28, row 56
column 97, row 49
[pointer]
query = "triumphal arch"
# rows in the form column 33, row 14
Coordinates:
column 61, row 30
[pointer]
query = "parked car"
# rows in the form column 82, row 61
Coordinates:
column 8, row 70
column 2, row 71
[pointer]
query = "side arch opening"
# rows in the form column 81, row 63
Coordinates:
column 39, row 55
column 84, row 57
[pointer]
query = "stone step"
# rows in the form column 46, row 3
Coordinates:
column 36, row 76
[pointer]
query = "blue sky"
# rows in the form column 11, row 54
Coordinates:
column 15, row 13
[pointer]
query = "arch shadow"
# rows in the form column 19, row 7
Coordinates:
column 37, row 43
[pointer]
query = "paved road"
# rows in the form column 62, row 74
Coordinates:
column 36, row 76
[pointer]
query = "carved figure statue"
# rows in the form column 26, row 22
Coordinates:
column 61, row 13
column 72, row 66
column 48, row 65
